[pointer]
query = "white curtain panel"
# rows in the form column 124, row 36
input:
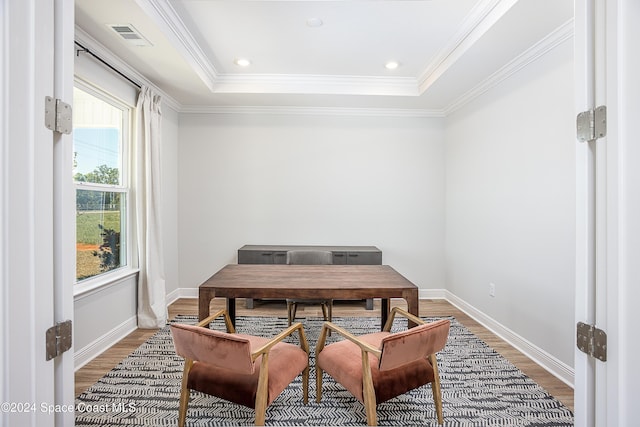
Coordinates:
column 147, row 189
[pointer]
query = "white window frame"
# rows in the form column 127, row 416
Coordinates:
column 112, row 277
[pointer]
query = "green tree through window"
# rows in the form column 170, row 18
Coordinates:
column 100, row 136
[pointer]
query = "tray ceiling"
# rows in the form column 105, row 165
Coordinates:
column 323, row 54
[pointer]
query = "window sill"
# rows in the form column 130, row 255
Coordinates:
column 91, row 286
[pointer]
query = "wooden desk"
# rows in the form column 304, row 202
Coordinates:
column 307, row 281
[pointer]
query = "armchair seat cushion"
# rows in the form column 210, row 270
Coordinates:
column 343, row 362
column 286, row 362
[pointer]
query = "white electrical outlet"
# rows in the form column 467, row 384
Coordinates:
column 492, row 289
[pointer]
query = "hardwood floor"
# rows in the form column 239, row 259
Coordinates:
column 98, row 367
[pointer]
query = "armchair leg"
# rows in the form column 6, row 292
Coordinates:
column 184, row 403
column 261, row 408
column 370, row 410
column 437, row 400
column 318, row 384
column 261, row 415
column 262, row 393
column 305, row 385
column 435, row 389
column 369, row 395
column 184, row 394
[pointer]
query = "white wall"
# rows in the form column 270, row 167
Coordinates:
column 102, row 318
column 278, row 179
column 510, row 203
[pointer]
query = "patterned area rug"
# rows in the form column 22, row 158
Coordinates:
column 479, row 388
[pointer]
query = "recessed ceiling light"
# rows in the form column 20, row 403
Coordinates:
column 391, row 65
column 242, row 62
column 314, row 22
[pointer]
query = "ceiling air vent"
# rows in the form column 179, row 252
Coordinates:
column 130, row 34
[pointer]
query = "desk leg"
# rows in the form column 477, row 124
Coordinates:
column 384, row 312
column 231, row 310
column 204, row 299
column 412, row 305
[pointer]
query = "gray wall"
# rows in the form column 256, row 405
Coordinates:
column 298, row 179
column 510, row 209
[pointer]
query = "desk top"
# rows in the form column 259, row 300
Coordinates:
column 305, row 281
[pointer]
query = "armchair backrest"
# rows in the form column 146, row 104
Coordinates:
column 401, row 348
column 310, row 257
column 217, row 348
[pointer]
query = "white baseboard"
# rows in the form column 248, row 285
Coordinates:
column 176, row 294
column 554, row 366
column 89, row 352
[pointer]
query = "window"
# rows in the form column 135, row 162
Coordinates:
column 101, row 130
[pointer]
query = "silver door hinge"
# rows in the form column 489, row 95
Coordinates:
column 58, row 339
column 57, row 115
column 592, row 124
column 592, row 341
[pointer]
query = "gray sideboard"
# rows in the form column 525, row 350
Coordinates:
column 277, row 254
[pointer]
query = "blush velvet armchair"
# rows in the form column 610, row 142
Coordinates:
column 379, row 366
column 244, row 369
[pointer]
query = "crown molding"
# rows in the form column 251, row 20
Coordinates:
column 482, row 17
column 102, row 52
column 554, row 39
column 316, row 84
column 562, row 34
column 178, row 33
column 551, row 41
column 174, row 28
column 314, row 111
